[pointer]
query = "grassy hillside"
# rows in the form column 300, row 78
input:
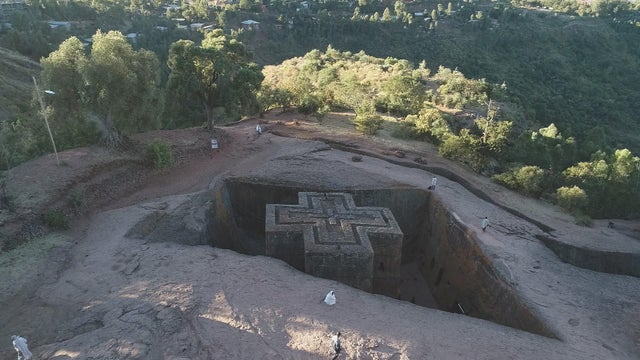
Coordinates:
column 16, row 85
column 576, row 72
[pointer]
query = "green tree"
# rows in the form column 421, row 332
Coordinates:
column 546, row 148
column 349, row 93
column 270, row 98
column 529, row 180
column 356, row 13
column 399, row 9
column 115, row 87
column 196, row 10
column 595, row 140
column 121, row 86
column 456, row 90
column 366, row 120
column 158, row 154
column 219, row 73
column 401, row 95
column 495, row 134
column 62, row 73
column 610, row 8
column 465, row 148
column 571, row 198
column 594, row 178
column 21, row 139
column 430, row 122
column 625, row 181
column 246, row 4
column 386, row 15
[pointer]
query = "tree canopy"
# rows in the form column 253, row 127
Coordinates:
column 219, row 74
column 115, row 88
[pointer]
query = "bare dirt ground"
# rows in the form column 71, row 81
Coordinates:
column 91, row 292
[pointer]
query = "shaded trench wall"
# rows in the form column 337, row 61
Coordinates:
column 446, row 252
column 458, row 272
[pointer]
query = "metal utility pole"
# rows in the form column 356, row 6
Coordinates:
column 44, row 115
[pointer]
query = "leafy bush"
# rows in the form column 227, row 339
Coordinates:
column 456, row 90
column 430, row 122
column 401, row 95
column 21, row 139
column 464, row 148
column 158, row 153
column 582, row 219
column 270, row 98
column 526, row 179
column 78, row 199
column 368, row 123
column 611, row 183
column 572, row 198
column 406, row 130
column 8, row 201
column 56, row 219
column 309, row 104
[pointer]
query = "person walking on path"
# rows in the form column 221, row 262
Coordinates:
column 259, row 129
column 485, row 223
column 20, row 344
column 337, row 347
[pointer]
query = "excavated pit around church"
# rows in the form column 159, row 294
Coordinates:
column 443, row 266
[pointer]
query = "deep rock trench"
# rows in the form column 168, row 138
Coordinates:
column 443, row 265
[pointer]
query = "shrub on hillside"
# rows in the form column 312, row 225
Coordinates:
column 430, row 122
column 526, row 179
column 309, row 104
column 572, row 198
column 56, row 219
column 78, row 199
column 271, row 98
column 158, row 154
column 7, row 201
column 464, row 148
column 406, row 130
column 368, row 123
column 582, row 219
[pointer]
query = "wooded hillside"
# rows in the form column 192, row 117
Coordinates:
column 16, row 85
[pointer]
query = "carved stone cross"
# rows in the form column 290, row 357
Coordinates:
column 327, row 235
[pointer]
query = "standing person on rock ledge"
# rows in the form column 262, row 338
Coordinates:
column 337, row 347
column 485, row 223
column 330, row 299
column 20, row 344
column 434, row 181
